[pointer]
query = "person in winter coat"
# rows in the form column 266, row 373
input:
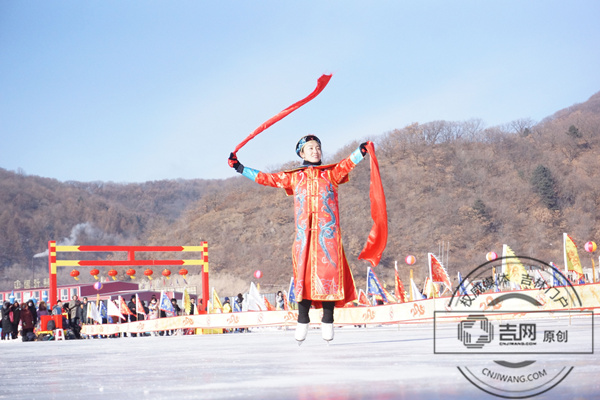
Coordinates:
column 75, row 312
column 58, row 308
column 6, row 321
column 153, row 308
column 321, row 271
column 280, row 300
column 16, row 311
column 227, row 305
column 84, row 308
column 240, row 301
column 33, row 311
column 27, row 321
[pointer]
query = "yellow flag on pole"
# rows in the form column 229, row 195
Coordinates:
column 572, row 262
column 515, row 270
column 216, row 302
column 187, row 303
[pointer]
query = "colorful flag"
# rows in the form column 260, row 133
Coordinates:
column 268, row 305
column 123, row 307
column 376, row 289
column 496, row 287
column 462, row 288
column 112, row 309
column 286, row 305
column 414, row 290
column 216, row 302
column 557, row 278
column 187, row 302
column 572, row 263
column 165, row 304
column 515, row 270
column 429, row 289
column 437, row 272
column 102, row 310
column 139, row 307
column 399, row 289
column 363, row 300
column 291, row 292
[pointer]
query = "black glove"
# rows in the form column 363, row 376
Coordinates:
column 363, row 148
column 235, row 164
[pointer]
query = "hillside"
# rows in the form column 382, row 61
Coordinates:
column 36, row 210
column 470, row 187
column 457, row 183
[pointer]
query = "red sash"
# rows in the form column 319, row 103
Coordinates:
column 377, row 239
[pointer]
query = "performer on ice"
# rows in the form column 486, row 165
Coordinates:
column 322, row 275
column 321, row 272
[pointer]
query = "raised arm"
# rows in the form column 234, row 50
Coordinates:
column 345, row 166
column 280, row 179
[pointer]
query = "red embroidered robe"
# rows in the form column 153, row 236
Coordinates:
column 321, row 271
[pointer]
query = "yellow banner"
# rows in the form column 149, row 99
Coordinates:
column 572, row 257
column 515, row 270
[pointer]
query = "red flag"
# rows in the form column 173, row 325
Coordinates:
column 363, row 300
column 400, row 292
column 268, row 305
column 438, row 272
column 139, row 306
column 286, row 304
column 377, row 239
column 123, row 307
column 321, row 83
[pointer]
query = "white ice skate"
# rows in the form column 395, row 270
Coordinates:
column 327, row 332
column 301, row 331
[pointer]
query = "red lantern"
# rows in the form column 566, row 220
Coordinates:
column 258, row 274
column 94, row 273
column 113, row 273
column 410, row 260
column 166, row 273
column 75, row 274
column 131, row 273
column 183, row 272
column 148, row 273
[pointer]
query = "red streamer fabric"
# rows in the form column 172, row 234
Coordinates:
column 321, row 83
column 377, row 239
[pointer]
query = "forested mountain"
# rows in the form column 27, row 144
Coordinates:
column 460, row 183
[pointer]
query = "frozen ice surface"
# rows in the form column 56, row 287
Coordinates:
column 387, row 362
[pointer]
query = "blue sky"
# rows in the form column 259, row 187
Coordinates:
column 147, row 90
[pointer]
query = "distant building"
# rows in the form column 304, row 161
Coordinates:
column 109, row 290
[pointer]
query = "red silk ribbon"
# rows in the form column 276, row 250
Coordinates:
column 377, row 239
column 321, row 83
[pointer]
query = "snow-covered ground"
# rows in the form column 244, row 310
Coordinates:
column 386, row 362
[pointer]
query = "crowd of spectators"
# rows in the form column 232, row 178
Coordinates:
column 24, row 320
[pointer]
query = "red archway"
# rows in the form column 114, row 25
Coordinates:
column 54, row 262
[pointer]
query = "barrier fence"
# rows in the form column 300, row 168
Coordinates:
column 587, row 298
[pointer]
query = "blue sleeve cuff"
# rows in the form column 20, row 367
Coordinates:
column 251, row 173
column 356, row 156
